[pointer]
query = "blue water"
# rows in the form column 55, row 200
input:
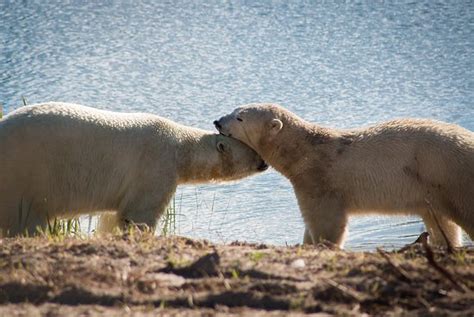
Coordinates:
column 337, row 64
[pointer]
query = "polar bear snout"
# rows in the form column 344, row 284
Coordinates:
column 263, row 166
column 223, row 126
column 220, row 128
column 217, row 125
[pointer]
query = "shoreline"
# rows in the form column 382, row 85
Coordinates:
column 147, row 275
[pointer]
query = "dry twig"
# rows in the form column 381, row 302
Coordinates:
column 344, row 289
column 449, row 246
column 431, row 260
column 394, row 265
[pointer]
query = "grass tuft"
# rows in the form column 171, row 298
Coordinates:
column 169, row 220
column 256, row 256
column 59, row 229
column 25, row 101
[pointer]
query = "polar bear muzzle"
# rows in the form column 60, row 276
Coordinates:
column 238, row 159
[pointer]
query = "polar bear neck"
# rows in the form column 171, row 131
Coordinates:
column 198, row 160
column 309, row 142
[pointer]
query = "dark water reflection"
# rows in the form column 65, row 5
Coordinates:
column 342, row 65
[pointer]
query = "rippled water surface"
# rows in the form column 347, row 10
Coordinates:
column 333, row 64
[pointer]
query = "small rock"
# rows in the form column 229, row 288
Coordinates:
column 298, row 264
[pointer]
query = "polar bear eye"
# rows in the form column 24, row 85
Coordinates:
column 239, row 119
column 221, row 147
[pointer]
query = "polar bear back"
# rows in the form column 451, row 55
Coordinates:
column 79, row 153
column 424, row 149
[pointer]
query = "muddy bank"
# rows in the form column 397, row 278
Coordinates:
column 144, row 275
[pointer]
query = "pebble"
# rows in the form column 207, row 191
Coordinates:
column 298, row 264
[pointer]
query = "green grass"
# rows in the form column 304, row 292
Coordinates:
column 169, row 219
column 256, row 256
column 58, row 229
column 235, row 274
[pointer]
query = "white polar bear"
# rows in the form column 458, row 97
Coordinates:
column 410, row 166
column 62, row 160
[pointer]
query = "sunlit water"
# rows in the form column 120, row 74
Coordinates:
column 340, row 65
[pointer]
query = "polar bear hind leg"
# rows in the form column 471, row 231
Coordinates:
column 441, row 230
column 109, row 222
column 440, row 227
column 307, row 239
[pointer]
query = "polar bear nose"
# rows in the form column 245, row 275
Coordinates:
column 263, row 166
column 217, row 125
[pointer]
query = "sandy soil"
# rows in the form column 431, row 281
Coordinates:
column 144, row 276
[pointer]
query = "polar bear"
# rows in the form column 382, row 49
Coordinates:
column 409, row 166
column 62, row 160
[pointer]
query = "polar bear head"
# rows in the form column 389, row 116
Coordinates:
column 253, row 124
column 237, row 159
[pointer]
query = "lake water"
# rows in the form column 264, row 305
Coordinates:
column 340, row 65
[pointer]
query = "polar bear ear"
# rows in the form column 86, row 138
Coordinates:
column 221, row 147
column 275, row 126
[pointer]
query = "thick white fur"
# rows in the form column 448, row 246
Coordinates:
column 409, row 166
column 61, row 160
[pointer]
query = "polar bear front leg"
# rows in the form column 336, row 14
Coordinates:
column 27, row 217
column 325, row 219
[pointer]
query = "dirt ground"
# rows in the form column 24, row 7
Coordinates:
column 142, row 275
